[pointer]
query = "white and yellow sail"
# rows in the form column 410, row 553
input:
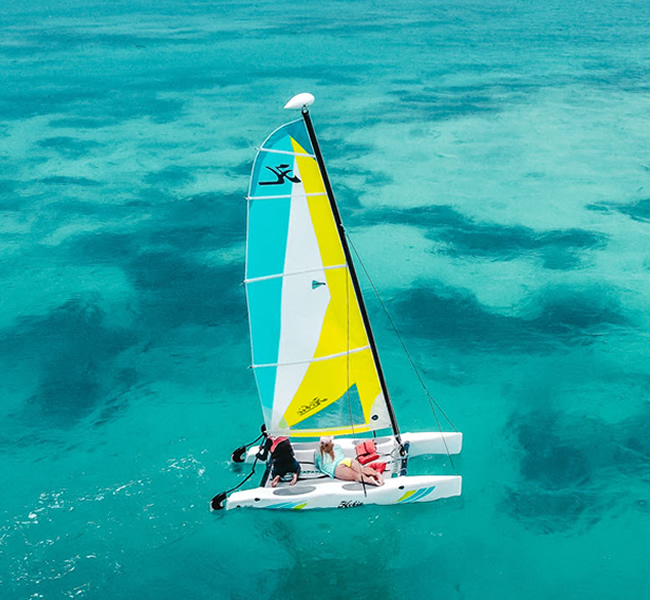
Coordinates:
column 311, row 352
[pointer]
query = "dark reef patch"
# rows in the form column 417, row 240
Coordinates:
column 68, row 146
column 7, row 186
column 199, row 223
column 442, row 106
column 242, row 169
column 67, row 181
column 336, row 148
column 218, row 220
column 77, row 354
column 458, row 101
column 162, row 258
column 352, row 179
column 102, row 248
column 457, row 319
column 558, row 249
column 639, row 211
column 241, row 143
column 570, row 467
column 9, row 199
column 115, row 101
column 24, row 99
column 82, row 122
column 320, row 73
column 169, row 177
column 175, row 292
column 74, row 355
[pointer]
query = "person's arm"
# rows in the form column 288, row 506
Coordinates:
column 263, row 454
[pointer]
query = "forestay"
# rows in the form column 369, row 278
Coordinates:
column 311, row 352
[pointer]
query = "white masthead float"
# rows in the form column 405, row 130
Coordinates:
column 314, row 355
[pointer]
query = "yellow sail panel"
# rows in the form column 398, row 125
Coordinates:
column 328, row 380
column 311, row 178
column 343, row 329
column 342, row 359
column 329, row 243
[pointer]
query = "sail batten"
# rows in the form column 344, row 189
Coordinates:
column 273, row 151
column 312, row 360
column 315, row 270
column 311, row 346
column 281, row 197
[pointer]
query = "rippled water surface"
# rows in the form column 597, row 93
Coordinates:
column 492, row 166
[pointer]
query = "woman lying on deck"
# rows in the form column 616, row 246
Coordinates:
column 329, row 459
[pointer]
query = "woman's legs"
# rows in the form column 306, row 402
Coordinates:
column 356, row 473
column 369, row 472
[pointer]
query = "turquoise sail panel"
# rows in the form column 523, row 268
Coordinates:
column 264, row 301
column 266, row 388
column 268, row 228
column 279, row 139
column 272, row 181
column 310, row 346
column 273, row 170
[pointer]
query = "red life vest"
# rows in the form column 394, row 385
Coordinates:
column 276, row 441
column 366, row 452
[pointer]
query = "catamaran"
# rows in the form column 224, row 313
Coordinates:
column 314, row 355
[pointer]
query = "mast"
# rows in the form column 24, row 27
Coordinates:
column 303, row 101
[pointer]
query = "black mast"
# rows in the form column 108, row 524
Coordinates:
column 353, row 273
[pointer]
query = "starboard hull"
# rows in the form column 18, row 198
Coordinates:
column 333, row 493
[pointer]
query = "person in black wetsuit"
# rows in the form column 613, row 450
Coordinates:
column 283, row 460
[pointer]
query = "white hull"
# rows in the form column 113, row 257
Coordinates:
column 333, row 493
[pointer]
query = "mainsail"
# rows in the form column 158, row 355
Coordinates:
column 311, row 348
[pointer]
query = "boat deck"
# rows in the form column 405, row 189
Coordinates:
column 309, row 475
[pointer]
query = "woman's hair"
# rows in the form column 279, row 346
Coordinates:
column 327, row 447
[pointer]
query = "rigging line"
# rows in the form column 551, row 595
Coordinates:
column 444, row 441
column 244, row 480
column 347, row 363
column 431, row 399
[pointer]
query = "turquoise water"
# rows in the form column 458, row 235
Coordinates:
column 492, row 166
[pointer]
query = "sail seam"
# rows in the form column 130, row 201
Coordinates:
column 283, row 196
column 311, row 360
column 315, row 270
column 273, row 151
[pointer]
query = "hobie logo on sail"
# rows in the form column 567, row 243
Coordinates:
column 316, row 284
column 305, row 408
column 282, row 172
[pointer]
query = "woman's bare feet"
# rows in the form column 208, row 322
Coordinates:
column 294, row 479
column 275, row 481
column 372, row 480
column 378, row 477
